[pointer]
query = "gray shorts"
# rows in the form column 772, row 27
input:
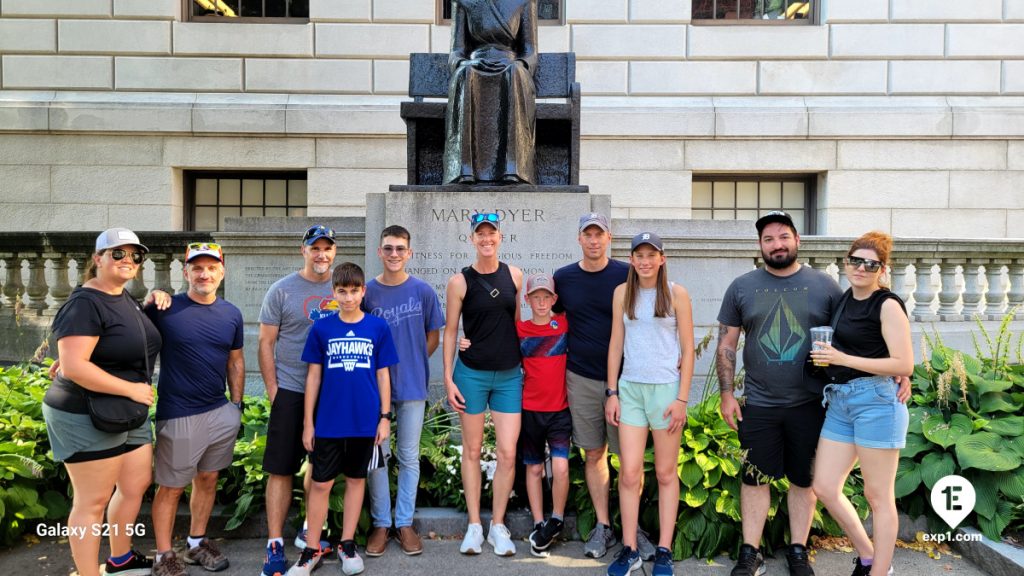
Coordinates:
column 199, row 443
column 586, row 403
column 72, row 434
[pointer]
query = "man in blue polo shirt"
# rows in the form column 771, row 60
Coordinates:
column 196, row 424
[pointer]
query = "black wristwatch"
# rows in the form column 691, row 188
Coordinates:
column 387, row 416
column 609, row 392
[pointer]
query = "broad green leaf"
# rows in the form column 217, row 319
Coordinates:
column 690, row 473
column 695, row 497
column 727, row 504
column 697, row 441
column 944, row 433
column 998, row 402
column 908, row 477
column 986, row 491
column 705, row 461
column 993, row 527
column 692, row 524
column 916, row 443
column 713, row 477
column 1006, row 426
column 918, row 414
column 21, row 465
column 729, row 465
column 936, row 466
column 972, row 365
column 985, row 451
column 983, row 386
column 1011, row 484
column 939, row 363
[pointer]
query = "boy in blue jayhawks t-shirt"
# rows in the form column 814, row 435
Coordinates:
column 348, row 395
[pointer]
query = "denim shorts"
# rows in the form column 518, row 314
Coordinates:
column 865, row 412
column 501, row 390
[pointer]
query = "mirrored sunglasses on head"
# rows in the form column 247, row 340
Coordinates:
column 484, row 217
column 319, row 230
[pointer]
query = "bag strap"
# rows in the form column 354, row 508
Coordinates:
column 469, row 271
column 839, row 309
column 142, row 328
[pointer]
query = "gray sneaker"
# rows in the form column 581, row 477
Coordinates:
column 644, row 546
column 169, row 565
column 601, row 539
column 207, row 555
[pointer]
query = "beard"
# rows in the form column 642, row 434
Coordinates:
column 779, row 261
column 321, row 268
column 204, row 290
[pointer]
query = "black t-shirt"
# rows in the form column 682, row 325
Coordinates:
column 859, row 332
column 119, row 350
column 490, row 321
column 586, row 299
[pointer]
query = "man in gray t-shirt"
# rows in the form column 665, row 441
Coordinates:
column 781, row 418
column 289, row 309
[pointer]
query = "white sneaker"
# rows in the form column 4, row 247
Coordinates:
column 500, row 538
column 350, row 564
column 473, row 542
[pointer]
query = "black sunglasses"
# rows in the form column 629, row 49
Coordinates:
column 318, row 231
column 484, row 217
column 869, row 265
column 120, row 253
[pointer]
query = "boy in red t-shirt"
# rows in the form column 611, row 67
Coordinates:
column 543, row 341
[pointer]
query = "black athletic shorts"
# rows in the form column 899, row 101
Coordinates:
column 538, row 428
column 780, row 442
column 333, row 456
column 284, row 453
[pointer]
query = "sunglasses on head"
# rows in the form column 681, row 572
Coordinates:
column 318, row 231
column 389, row 249
column 203, row 247
column 869, row 265
column 121, row 253
column 484, row 217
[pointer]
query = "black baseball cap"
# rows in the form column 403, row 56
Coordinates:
column 774, row 216
column 647, row 238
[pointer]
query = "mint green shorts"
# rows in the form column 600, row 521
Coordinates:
column 643, row 405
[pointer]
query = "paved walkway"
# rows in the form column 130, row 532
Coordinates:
column 53, row 558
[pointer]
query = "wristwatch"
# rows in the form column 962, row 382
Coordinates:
column 609, row 392
column 387, row 416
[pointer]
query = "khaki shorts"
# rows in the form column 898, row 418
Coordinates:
column 590, row 430
column 199, row 443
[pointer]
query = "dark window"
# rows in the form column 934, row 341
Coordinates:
column 210, row 197
column 548, row 11
column 755, row 11
column 747, row 197
column 248, row 10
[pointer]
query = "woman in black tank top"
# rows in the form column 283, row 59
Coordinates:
column 487, row 374
column 867, row 419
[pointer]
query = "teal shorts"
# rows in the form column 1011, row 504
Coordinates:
column 643, row 405
column 502, row 390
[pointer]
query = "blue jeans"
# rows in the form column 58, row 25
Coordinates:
column 409, row 416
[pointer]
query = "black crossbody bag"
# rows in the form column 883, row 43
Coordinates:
column 116, row 413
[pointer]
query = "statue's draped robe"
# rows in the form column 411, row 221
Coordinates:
column 491, row 118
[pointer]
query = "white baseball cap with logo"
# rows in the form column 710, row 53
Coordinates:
column 114, row 237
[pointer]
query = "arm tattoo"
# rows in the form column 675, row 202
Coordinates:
column 726, row 362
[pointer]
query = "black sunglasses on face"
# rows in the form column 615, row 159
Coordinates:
column 869, row 265
column 120, row 253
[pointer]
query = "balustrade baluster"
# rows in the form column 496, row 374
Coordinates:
column 924, row 294
column 137, row 286
column 972, row 288
column 995, row 296
column 898, row 273
column 162, row 272
column 61, row 288
column 13, row 287
column 949, row 296
column 1015, row 297
column 37, row 288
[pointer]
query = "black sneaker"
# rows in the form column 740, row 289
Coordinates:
column 749, row 563
column 137, row 565
column 544, row 534
column 862, row 570
column 799, row 560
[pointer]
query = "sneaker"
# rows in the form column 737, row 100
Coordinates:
column 533, row 534
column 208, row 556
column 749, row 563
column 377, row 542
column 410, row 541
column 169, row 565
column 862, row 570
column 136, row 565
column 473, row 541
column 662, row 562
column 307, row 562
column 601, row 539
column 626, row 561
column 500, row 539
column 644, row 546
column 799, row 561
column 300, row 542
column 351, row 563
column 276, row 564
column 544, row 534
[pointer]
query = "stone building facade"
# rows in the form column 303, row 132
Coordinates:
column 900, row 115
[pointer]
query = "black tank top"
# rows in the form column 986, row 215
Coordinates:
column 489, row 321
column 859, row 332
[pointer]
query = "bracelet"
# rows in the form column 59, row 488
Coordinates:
column 681, row 400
